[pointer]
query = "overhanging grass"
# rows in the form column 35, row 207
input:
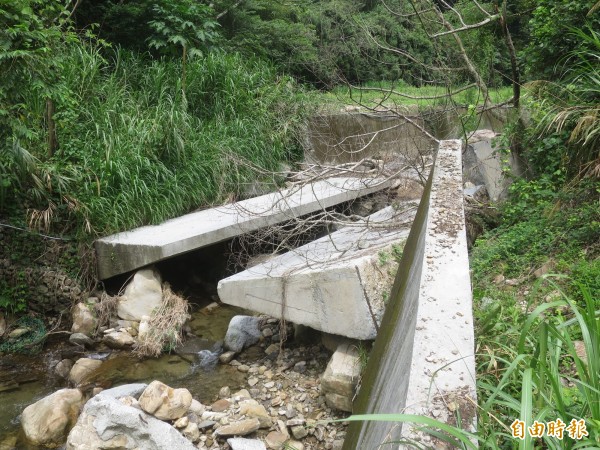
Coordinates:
column 134, row 148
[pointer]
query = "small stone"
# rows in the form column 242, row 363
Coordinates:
column 224, row 392
column 243, row 368
column 82, row 368
column 499, row 279
column 81, row 339
column 252, row 381
column 275, row 440
column 295, row 422
column 242, row 394
column 118, row 339
column 240, row 428
column 220, row 405
column 226, row 357
column 254, row 393
column 272, row 351
column 319, row 433
column 283, row 428
column 267, row 332
column 197, row 408
column 191, row 432
column 243, row 331
column 182, row 422
column 15, row 334
column 251, row 408
column 164, row 402
column 246, row 444
column 45, row 422
column 294, row 445
column 290, row 412
column 84, row 320
column 299, row 432
column 300, row 367
column 338, row 444
column 96, row 391
column 206, row 424
column 216, row 416
column 63, row 368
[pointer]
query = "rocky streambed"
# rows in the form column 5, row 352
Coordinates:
column 267, row 385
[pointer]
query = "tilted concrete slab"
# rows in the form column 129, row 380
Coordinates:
column 133, row 249
column 423, row 359
column 335, row 284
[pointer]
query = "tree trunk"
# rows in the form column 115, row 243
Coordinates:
column 52, row 141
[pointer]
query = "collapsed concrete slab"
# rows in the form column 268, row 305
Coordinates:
column 337, row 284
column 130, row 250
column 423, row 360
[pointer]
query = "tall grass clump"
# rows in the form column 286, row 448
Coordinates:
column 135, row 148
column 543, row 367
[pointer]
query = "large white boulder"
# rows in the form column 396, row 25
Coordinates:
column 164, row 402
column 47, row 421
column 107, row 423
column 142, row 295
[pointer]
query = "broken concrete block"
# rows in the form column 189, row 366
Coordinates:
column 337, row 284
column 341, row 378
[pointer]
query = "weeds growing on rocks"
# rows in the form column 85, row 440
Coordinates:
column 164, row 327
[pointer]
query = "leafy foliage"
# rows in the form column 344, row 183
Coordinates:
column 184, row 24
column 136, row 150
column 549, row 37
column 31, row 40
column 570, row 114
column 166, row 26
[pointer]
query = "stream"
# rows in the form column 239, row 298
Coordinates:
column 29, row 378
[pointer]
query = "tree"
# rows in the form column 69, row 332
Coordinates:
column 32, row 35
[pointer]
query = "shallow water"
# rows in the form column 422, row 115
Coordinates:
column 177, row 370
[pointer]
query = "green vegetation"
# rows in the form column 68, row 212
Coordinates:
column 534, row 372
column 399, row 94
column 133, row 148
column 116, row 114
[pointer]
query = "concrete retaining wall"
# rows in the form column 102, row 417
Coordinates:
column 351, row 136
column 423, row 360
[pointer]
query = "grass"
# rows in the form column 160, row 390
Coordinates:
column 399, row 94
column 165, row 326
column 532, row 372
column 135, row 149
column 537, row 336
